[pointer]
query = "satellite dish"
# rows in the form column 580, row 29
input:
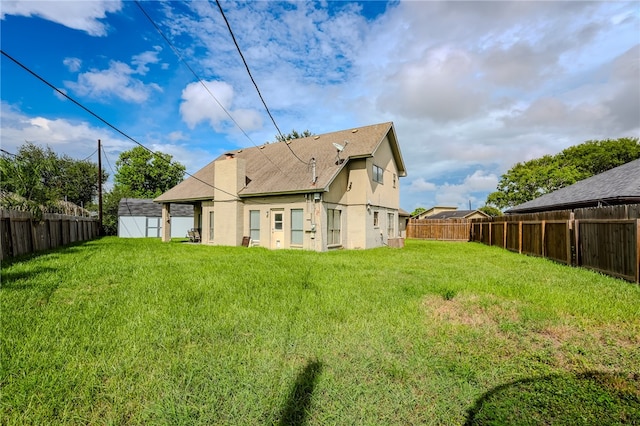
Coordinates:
column 339, row 147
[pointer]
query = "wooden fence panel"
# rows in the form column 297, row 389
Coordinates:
column 444, row 230
column 609, row 246
column 531, row 238
column 498, row 234
column 21, row 233
column 557, row 241
column 513, row 236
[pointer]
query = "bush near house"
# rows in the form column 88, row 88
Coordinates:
column 139, row 332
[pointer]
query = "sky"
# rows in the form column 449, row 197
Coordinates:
column 471, row 87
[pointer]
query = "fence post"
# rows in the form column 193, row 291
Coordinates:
column 637, row 251
column 576, row 242
column 504, row 234
column 544, row 225
column 520, row 237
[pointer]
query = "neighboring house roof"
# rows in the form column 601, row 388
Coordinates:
column 403, row 213
column 273, row 168
column 146, row 207
column 457, row 214
column 619, row 185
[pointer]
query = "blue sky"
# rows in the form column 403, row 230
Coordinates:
column 472, row 87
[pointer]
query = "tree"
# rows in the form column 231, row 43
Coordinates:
column 144, row 174
column 527, row 181
column 293, row 135
column 43, row 178
column 417, row 211
column 491, row 211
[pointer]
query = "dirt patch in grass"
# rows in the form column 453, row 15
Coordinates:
column 470, row 310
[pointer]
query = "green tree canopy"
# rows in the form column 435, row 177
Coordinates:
column 529, row 180
column 417, row 211
column 293, row 135
column 43, row 178
column 144, row 174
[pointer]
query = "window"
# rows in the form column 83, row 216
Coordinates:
column 277, row 221
column 390, row 225
column 333, row 227
column 377, row 173
column 376, row 220
column 254, row 225
column 210, row 226
column 296, row 226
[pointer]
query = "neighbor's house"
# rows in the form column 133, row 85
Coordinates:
column 439, row 212
column 620, row 185
column 139, row 218
column 336, row 190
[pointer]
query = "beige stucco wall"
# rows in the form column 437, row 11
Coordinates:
column 267, row 206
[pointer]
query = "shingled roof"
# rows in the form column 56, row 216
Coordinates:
column 273, row 168
column 620, row 185
column 147, row 208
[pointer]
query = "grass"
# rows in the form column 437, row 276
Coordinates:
column 122, row 331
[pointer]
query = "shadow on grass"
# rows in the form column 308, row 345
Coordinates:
column 561, row 399
column 70, row 248
column 297, row 407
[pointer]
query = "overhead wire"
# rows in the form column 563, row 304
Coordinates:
column 43, row 80
column 201, row 81
column 233, row 37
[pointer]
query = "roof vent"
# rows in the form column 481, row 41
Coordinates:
column 315, row 138
column 354, row 131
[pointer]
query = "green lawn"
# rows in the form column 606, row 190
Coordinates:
column 122, row 331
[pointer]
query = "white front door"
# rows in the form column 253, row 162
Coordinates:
column 277, row 229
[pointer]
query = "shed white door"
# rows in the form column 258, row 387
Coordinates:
column 153, row 226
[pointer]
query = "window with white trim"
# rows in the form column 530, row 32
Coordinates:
column 254, row 225
column 376, row 219
column 391, row 225
column 333, row 227
column 297, row 231
column 210, row 226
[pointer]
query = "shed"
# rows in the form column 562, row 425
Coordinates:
column 139, row 218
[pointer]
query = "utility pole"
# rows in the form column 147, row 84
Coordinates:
column 100, row 186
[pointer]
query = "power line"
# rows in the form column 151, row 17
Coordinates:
column 177, row 53
column 33, row 73
column 89, row 156
column 254, row 82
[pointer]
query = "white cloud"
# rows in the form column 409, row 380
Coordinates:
column 209, row 105
column 76, row 139
column 119, row 80
column 421, row 185
column 79, row 15
column 72, row 64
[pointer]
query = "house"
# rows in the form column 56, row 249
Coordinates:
column 451, row 213
column 335, row 190
column 620, row 185
column 138, row 218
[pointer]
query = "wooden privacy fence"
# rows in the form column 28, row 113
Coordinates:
column 439, row 229
column 606, row 239
column 21, row 233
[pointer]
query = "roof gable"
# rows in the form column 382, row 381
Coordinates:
column 273, row 167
